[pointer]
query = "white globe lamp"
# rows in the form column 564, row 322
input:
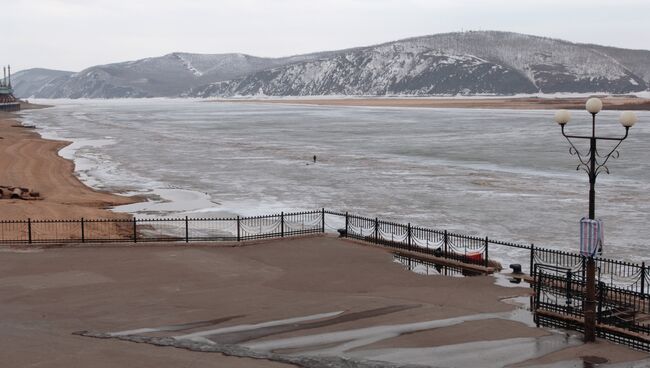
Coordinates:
column 562, row 117
column 594, row 105
column 627, row 119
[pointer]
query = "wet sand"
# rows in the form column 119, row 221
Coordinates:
column 27, row 160
column 171, row 291
column 523, row 103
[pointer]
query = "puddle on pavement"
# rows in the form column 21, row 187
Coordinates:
column 362, row 336
column 429, row 268
column 509, row 280
column 9, row 249
column 352, row 345
column 202, row 335
column 173, row 328
column 522, row 313
column 485, row 354
column 348, row 345
column 248, row 335
column 590, row 362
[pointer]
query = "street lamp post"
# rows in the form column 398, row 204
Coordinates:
column 593, row 163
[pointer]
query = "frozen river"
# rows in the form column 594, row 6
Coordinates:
column 502, row 173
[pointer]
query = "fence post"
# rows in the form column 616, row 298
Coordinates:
column 643, row 277
column 601, row 296
column 532, row 259
column 282, row 224
column 29, row 231
column 347, row 221
column 487, row 241
column 446, row 240
column 408, row 233
column 322, row 225
column 135, row 231
column 187, row 230
column 538, row 294
column 376, row 230
column 238, row 229
column 83, row 233
column 569, row 289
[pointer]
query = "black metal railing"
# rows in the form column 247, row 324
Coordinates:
column 623, row 313
column 138, row 230
column 441, row 243
column 558, row 276
column 462, row 248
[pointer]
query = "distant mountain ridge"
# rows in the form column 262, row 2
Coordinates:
column 466, row 63
column 38, row 81
column 165, row 76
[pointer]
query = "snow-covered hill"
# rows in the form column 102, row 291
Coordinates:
column 35, row 82
column 489, row 62
column 453, row 63
column 386, row 70
column 165, row 76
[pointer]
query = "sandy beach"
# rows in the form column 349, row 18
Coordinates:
column 27, row 160
column 523, row 103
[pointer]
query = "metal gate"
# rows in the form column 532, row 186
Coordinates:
column 623, row 315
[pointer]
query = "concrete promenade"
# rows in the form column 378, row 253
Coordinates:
column 303, row 301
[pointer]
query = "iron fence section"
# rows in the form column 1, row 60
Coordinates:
column 107, row 230
column 440, row 243
column 211, row 229
column 161, row 229
column 14, row 232
column 462, row 248
column 562, row 291
column 559, row 290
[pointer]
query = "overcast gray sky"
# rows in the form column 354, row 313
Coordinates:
column 75, row 34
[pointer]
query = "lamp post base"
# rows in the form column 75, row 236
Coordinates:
column 590, row 301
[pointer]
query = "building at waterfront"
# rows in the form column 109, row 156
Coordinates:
column 7, row 100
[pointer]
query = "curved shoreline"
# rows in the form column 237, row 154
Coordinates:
column 510, row 103
column 28, row 160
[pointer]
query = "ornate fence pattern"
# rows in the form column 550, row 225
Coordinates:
column 462, row 248
column 623, row 314
column 137, row 230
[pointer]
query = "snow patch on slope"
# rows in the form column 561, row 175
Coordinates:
column 188, row 65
